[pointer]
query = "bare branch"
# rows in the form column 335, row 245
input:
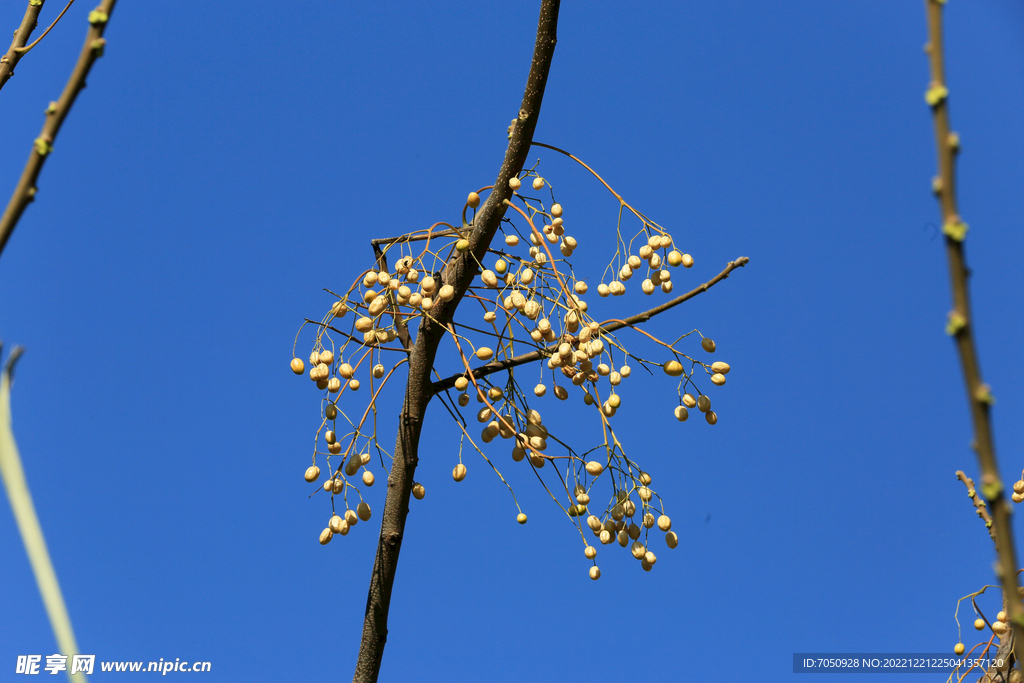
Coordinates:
column 21, row 36
column 25, row 192
column 979, row 396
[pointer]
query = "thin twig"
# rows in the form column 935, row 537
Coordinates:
column 23, row 50
column 21, row 36
column 25, row 192
column 979, row 396
column 979, row 504
column 498, row 366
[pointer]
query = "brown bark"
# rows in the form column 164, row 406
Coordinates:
column 459, row 273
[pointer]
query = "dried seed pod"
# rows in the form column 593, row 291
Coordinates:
column 704, row 403
column 648, row 520
column 711, row 417
column 673, row 368
column 484, row 352
column 637, row 549
column 647, row 286
column 459, row 473
column 418, row 491
column 334, row 385
column 681, row 414
column 514, row 183
column 331, row 411
column 645, row 494
column 521, row 518
column 687, row 261
column 298, row 367
column 718, row 379
column 650, row 558
column 666, row 287
column 664, row 523
column 312, row 473
column 473, row 200
column 561, row 393
column 538, row 183
column 368, row 478
column 594, row 468
column 671, row 539
column 335, row 524
column 351, row 517
column 595, row 573
column 353, row 384
column 325, row 536
column 623, row 537
column 633, row 531
column 590, row 552
column 707, row 344
column 540, row 390
column 334, row 448
column 363, row 510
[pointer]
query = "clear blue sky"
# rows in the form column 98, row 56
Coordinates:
column 228, row 160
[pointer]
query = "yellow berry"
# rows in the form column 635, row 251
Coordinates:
column 958, row 648
column 459, row 473
column 718, row 379
column 331, row 412
column 325, row 536
column 378, row 371
column 538, row 183
column 681, row 414
column 594, row 468
column 687, row 261
column 418, row 491
column 515, row 183
column 723, row 368
column 335, row 524
column 671, row 539
column 298, row 367
column 521, row 518
column 312, row 473
column 673, row 368
column 363, row 510
column 1002, row 616
column 473, row 200
column 708, row 345
column 595, row 573
column 353, row 384
column 664, row 523
column 711, row 417
column 540, row 390
column 590, row 552
column 484, row 352
column 979, row 624
column 368, row 478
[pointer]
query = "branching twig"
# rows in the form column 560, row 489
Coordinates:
column 979, row 396
column 21, row 36
column 25, row 192
column 498, row 366
column 979, row 504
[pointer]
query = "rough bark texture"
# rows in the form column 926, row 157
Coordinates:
column 459, row 273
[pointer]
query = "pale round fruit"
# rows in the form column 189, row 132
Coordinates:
column 346, row 371
column 484, row 352
column 673, row 368
column 664, row 523
column 689, row 401
column 312, row 473
column 331, row 412
column 515, row 183
column 637, row 549
column 325, row 536
column 958, row 648
column 327, row 357
column 723, row 368
column 473, row 200
column 645, row 479
column 459, row 473
column 708, row 345
column 590, row 552
column 511, row 240
column 322, row 384
column 648, row 520
column 1002, row 616
column 718, row 379
column 595, row 573
column 333, row 385
column 594, row 468
column 687, row 261
column 298, row 367
column 979, row 624
column 999, row 628
column 674, row 258
column 418, row 491
column 671, row 539
column 556, row 210
column 540, row 390
column 538, row 183
column 363, row 510
column 1017, row 497
column 461, row 383
column 521, row 518
column 335, row 524
column 368, row 478
column 1018, row 487
column 339, row 486
column 711, row 417
column 353, row 384
column 561, row 393
column 334, row 448
column 329, row 485
column 606, row 537
column 704, row 404
column 378, row 371
column 651, row 558
column 681, row 414
column 351, row 517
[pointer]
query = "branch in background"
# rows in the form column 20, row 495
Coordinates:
column 459, row 273
column 979, row 396
column 25, row 192
column 491, row 368
column 23, row 50
column 28, row 525
column 979, row 504
column 21, row 36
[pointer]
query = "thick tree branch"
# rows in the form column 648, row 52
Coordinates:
column 498, row 366
column 979, row 397
column 459, row 273
column 21, row 36
column 25, row 192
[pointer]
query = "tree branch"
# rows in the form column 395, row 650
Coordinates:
column 25, row 192
column 21, row 36
column 979, row 397
column 459, row 273
column 498, row 366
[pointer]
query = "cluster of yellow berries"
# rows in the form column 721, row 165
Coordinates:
column 1000, row 627
column 1018, row 492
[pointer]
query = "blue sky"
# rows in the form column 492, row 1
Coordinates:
column 230, row 160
